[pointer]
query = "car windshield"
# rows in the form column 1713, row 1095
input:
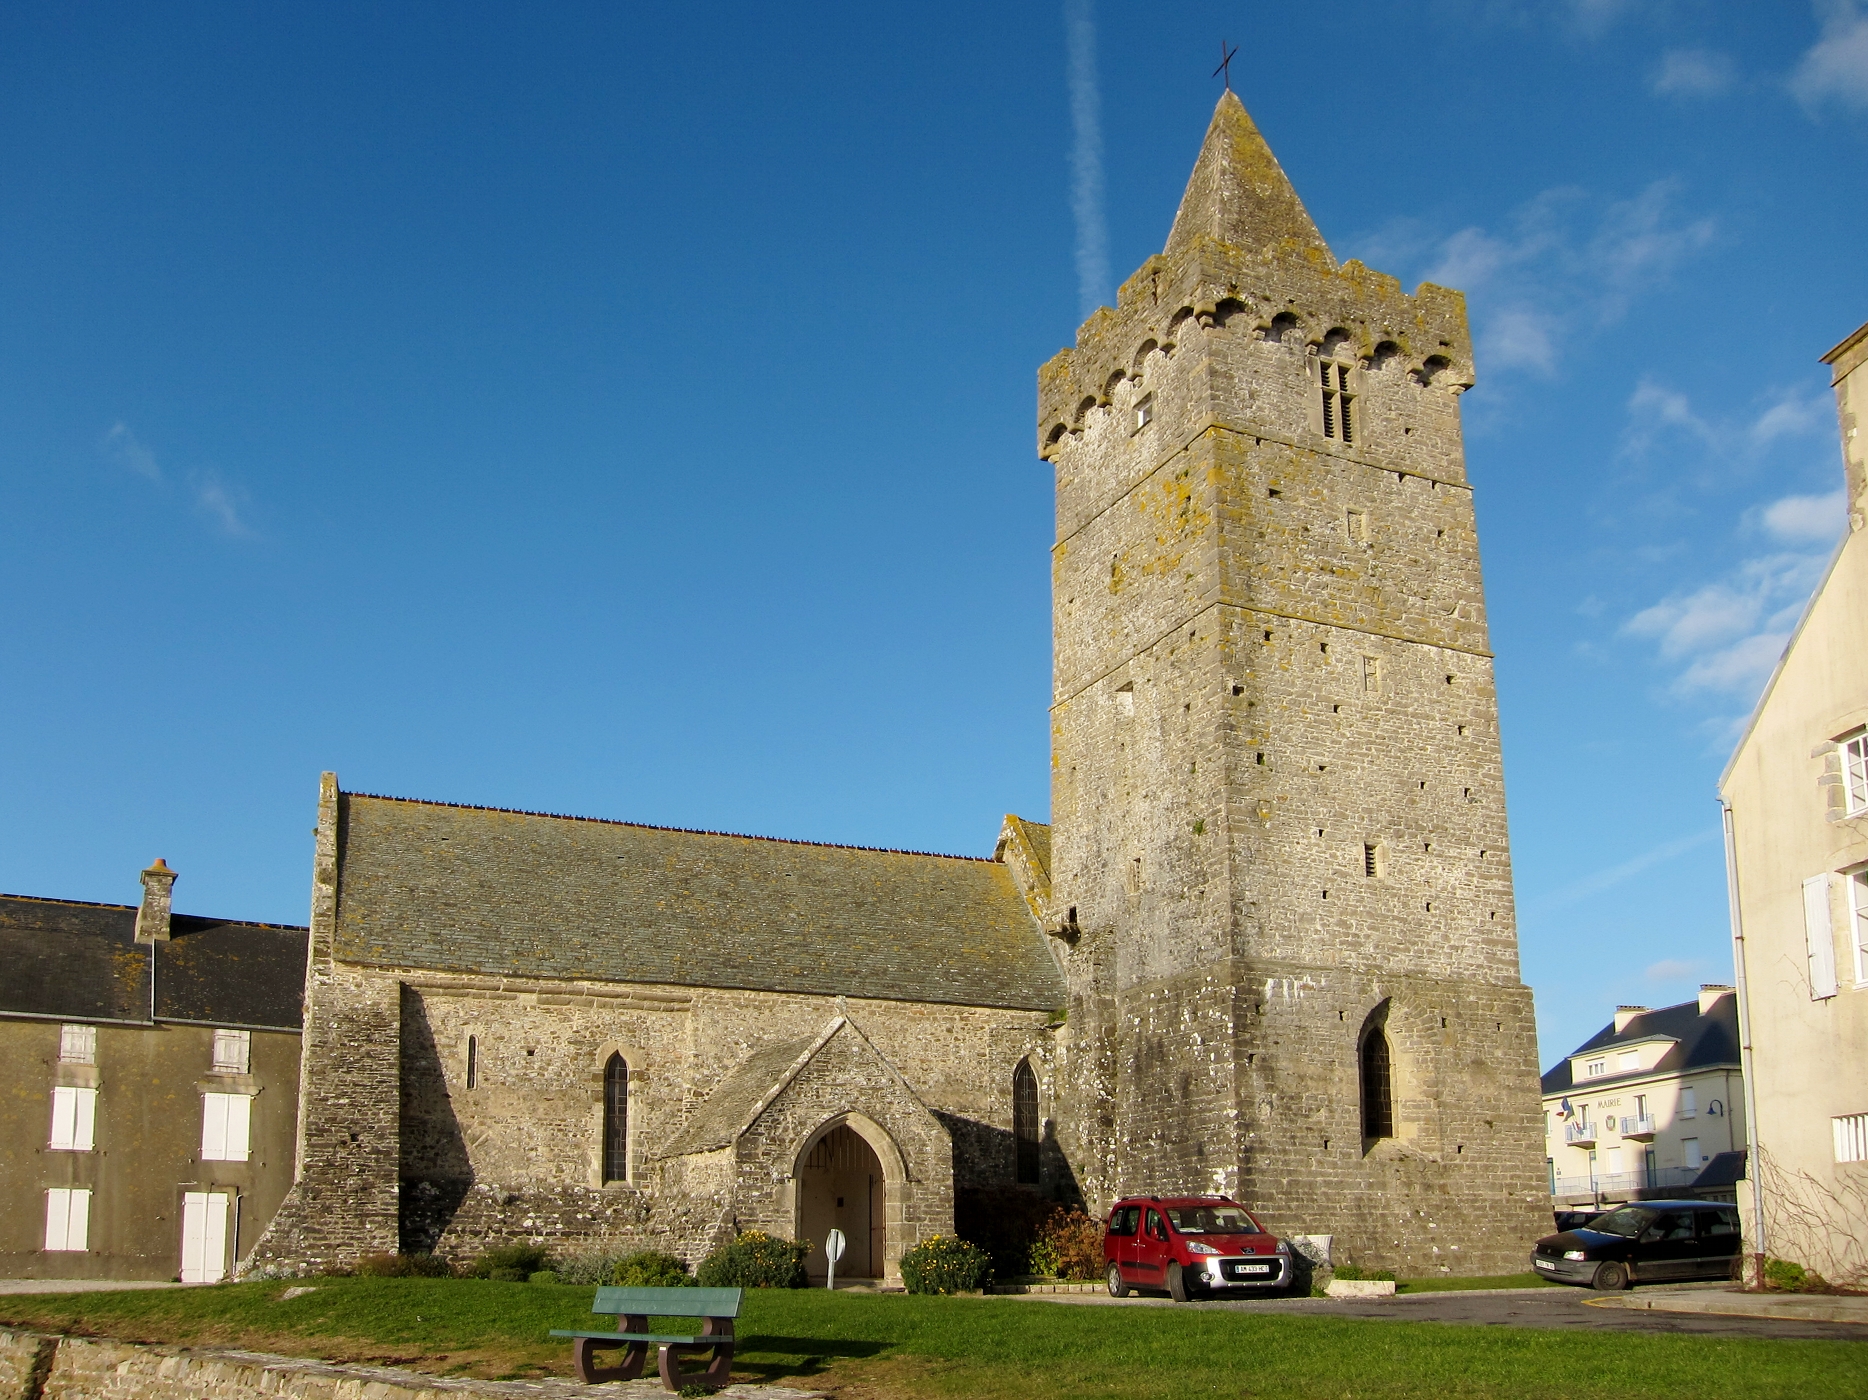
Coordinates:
column 1212, row 1220
column 1628, row 1222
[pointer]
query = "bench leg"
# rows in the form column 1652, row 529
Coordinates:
column 717, row 1371
column 635, row 1355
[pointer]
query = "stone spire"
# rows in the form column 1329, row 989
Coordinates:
column 1239, row 194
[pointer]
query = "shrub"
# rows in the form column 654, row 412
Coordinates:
column 403, row 1266
column 1069, row 1245
column 1005, row 1221
column 945, row 1264
column 1353, row 1272
column 543, row 1276
column 756, row 1260
column 650, row 1269
column 1792, row 1277
column 511, row 1263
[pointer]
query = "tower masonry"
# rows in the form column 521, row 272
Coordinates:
column 1281, row 879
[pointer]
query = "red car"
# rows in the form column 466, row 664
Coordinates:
column 1190, row 1246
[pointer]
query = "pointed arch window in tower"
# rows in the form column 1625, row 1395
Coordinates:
column 1378, row 1114
column 1025, row 1123
column 616, row 1120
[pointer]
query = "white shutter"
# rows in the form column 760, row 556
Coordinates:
column 239, row 1118
column 78, row 1223
column 64, row 1120
column 213, row 1127
column 1819, row 936
column 84, row 1120
column 57, row 1216
column 204, row 1236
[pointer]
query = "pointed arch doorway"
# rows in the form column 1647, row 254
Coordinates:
column 841, row 1187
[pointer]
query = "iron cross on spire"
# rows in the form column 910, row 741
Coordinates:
column 1225, row 63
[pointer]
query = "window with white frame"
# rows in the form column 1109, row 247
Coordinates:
column 77, row 1045
column 1851, row 1137
column 233, row 1051
column 1858, row 923
column 1689, row 1102
column 67, row 1219
column 74, row 1118
column 1689, row 1153
column 1855, row 773
column 1595, row 1067
column 225, row 1121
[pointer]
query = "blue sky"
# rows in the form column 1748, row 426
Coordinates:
column 628, row 410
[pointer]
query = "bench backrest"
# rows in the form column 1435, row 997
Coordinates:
column 670, row 1302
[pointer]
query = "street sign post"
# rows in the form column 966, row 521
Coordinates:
column 834, row 1245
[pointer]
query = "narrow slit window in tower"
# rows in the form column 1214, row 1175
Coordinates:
column 616, row 1120
column 1339, row 414
column 473, row 1062
column 1378, row 1117
column 1025, row 1122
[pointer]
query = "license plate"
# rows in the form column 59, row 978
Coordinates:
column 1543, row 1264
column 1254, row 1268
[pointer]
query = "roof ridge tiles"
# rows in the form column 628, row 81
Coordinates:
column 131, row 908
column 674, row 830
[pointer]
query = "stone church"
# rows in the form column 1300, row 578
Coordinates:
column 1267, row 946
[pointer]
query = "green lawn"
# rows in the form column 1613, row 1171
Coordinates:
column 1457, row 1285
column 894, row 1347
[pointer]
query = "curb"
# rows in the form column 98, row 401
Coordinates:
column 1795, row 1308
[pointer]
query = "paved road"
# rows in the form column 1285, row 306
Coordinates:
column 1562, row 1308
column 75, row 1285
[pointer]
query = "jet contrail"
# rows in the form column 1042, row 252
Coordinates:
column 1086, row 155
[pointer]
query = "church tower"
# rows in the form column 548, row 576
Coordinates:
column 1281, row 879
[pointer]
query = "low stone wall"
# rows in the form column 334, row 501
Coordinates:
column 75, row 1368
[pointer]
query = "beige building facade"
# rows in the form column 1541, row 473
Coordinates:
column 1796, row 800
column 1651, row 1107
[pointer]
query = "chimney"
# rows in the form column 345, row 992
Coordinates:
column 1709, row 994
column 1625, row 1014
column 152, row 920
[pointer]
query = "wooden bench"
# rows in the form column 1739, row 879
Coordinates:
column 715, row 1307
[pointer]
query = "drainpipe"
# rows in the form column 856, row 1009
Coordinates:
column 1753, row 1170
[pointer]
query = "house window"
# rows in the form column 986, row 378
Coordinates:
column 68, row 1219
column 74, row 1116
column 1689, row 1153
column 1858, row 923
column 233, row 1051
column 1378, row 1115
column 1595, row 1067
column 1640, row 1105
column 225, row 1121
column 1819, row 937
column 1689, row 1102
column 616, row 1119
column 1851, row 1137
column 1855, row 772
column 1336, row 383
column 1628, row 1059
column 1144, row 412
column 1025, row 1123
column 77, row 1045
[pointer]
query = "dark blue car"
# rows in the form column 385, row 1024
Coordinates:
column 1649, row 1242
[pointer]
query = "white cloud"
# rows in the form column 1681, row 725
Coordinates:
column 1616, row 874
column 1653, row 409
column 1692, row 73
column 220, row 502
column 122, row 444
column 1670, row 970
column 1835, row 69
column 1806, row 519
column 1730, row 633
column 1562, row 262
column 1791, row 414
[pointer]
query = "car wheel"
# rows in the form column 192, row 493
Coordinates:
column 1177, row 1283
column 1610, row 1278
column 1117, row 1288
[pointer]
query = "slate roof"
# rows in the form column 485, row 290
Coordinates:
column 1038, row 837
column 729, row 1107
column 1725, row 1169
column 1711, row 1039
column 73, row 961
column 475, row 889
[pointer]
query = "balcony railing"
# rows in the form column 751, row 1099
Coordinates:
column 1579, row 1134
column 1619, row 1183
column 1640, row 1129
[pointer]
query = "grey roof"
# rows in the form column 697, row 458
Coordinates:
column 475, row 889
column 74, row 961
column 1702, row 1040
column 728, row 1108
column 1725, row 1169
